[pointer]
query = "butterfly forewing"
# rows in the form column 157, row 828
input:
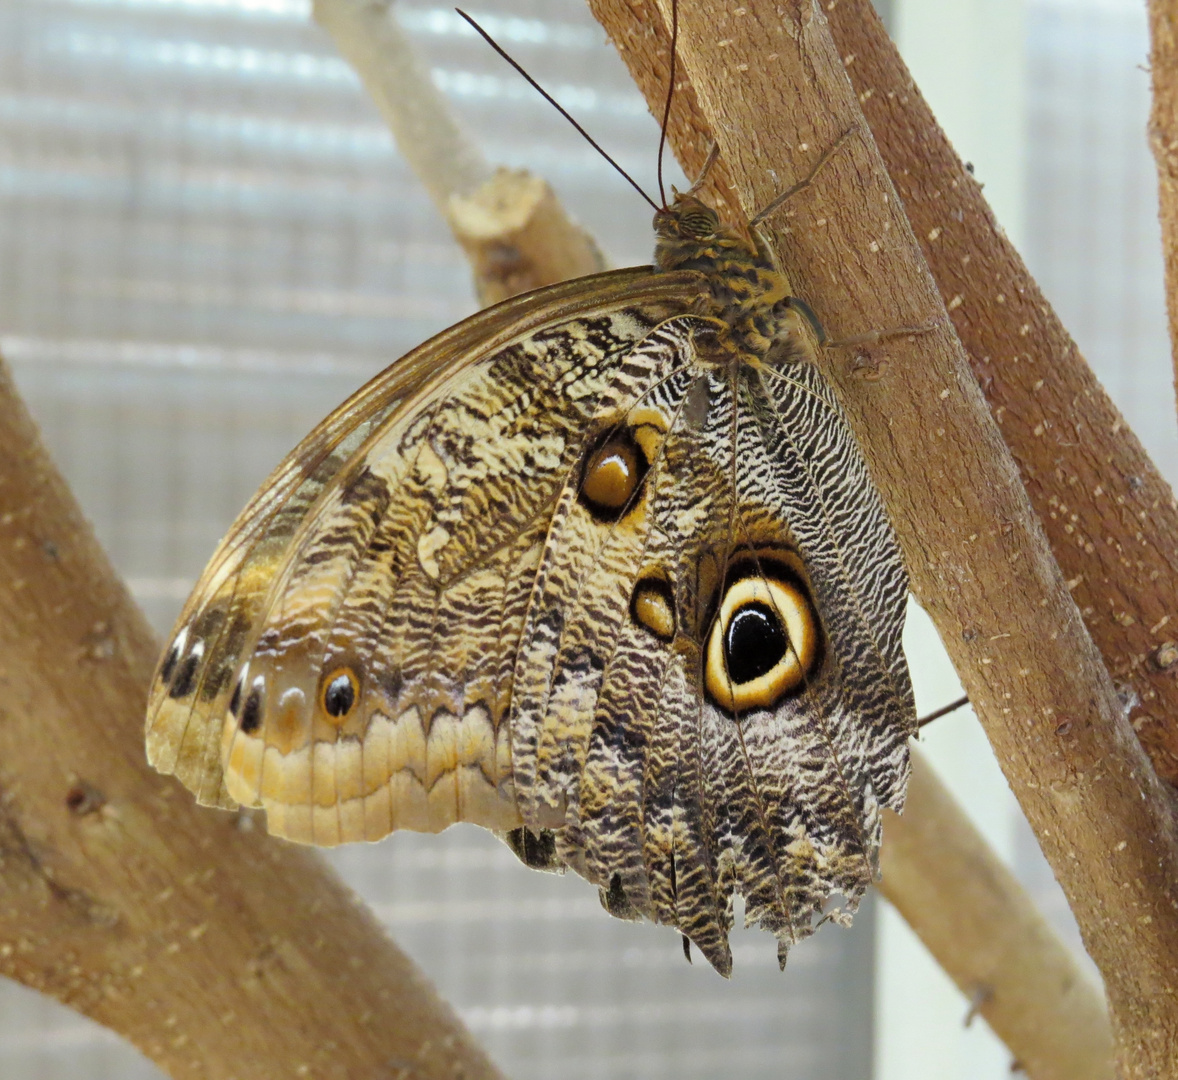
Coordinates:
column 418, row 597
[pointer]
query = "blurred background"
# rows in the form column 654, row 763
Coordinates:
column 208, row 239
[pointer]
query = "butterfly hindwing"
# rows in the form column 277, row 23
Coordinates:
column 661, row 793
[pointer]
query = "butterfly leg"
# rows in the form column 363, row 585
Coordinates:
column 807, row 180
column 874, row 337
column 709, row 161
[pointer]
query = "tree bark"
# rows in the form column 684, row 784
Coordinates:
column 976, row 919
column 769, row 83
column 219, row 952
column 1163, row 137
column 1110, row 517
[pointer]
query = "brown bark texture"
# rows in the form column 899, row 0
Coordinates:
column 221, row 953
column 1110, row 517
column 1163, row 137
column 768, row 81
column 977, row 920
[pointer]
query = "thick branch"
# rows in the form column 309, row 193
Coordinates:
column 774, row 90
column 510, row 224
column 218, row 951
column 1163, row 132
column 1110, row 517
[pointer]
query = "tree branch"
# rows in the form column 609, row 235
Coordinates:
column 514, row 231
column 771, row 85
column 1109, row 515
column 217, row 951
column 1163, row 137
column 976, row 919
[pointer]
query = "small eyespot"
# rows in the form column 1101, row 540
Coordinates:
column 169, row 664
column 612, row 475
column 765, row 641
column 185, row 678
column 339, row 693
column 652, row 606
column 251, row 712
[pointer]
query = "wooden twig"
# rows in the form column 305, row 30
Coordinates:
column 975, row 918
column 514, row 231
column 218, row 951
column 1163, row 136
column 775, row 94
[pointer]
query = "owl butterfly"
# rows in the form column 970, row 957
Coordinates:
column 600, row 568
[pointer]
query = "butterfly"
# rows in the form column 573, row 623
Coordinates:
column 600, row 568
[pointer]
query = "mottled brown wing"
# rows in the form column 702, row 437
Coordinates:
column 710, row 693
column 346, row 658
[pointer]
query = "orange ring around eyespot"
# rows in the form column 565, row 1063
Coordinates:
column 331, row 681
column 799, row 625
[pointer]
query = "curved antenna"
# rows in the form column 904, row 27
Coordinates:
column 558, row 107
column 670, row 95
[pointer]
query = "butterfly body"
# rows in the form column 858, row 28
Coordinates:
column 603, row 562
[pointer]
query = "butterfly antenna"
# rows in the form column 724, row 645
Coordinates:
column 557, row 106
column 670, row 96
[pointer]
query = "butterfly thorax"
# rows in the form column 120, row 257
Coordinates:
column 744, row 288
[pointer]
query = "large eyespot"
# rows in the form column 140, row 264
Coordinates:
column 339, row 694
column 652, row 606
column 618, row 462
column 765, row 639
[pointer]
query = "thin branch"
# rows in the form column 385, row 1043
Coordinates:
column 442, row 156
column 217, row 951
column 514, row 231
column 975, row 918
column 775, row 96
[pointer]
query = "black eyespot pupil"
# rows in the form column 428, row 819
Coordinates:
column 754, row 642
column 235, row 701
column 251, row 714
column 185, row 679
column 170, row 664
column 339, row 696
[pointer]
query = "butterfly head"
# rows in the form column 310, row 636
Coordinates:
column 690, row 236
column 745, row 289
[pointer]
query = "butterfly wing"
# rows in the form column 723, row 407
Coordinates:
column 710, row 692
column 515, row 581
column 324, row 565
